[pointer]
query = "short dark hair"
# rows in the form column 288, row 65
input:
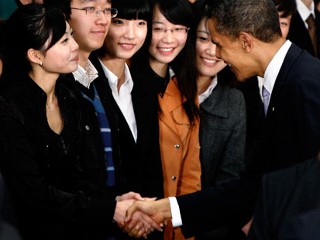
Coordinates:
column 257, row 17
column 31, row 26
column 287, row 7
column 64, row 5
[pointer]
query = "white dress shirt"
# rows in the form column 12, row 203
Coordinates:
column 123, row 96
column 203, row 96
column 270, row 77
column 85, row 76
column 304, row 11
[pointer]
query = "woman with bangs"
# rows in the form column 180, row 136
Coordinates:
column 165, row 61
column 41, row 127
column 128, row 104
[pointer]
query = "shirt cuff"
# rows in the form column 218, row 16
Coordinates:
column 175, row 212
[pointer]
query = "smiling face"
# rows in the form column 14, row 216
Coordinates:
column 232, row 52
column 62, row 57
column 165, row 45
column 125, row 37
column 208, row 65
column 90, row 29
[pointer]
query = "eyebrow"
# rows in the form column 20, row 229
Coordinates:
column 203, row 31
column 157, row 22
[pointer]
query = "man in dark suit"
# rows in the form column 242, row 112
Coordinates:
column 248, row 37
column 306, row 16
column 288, row 204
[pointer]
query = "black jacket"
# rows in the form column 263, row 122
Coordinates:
column 43, row 170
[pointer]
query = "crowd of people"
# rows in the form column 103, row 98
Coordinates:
column 160, row 119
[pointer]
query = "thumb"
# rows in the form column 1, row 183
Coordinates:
column 130, row 211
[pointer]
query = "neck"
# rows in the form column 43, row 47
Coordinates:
column 203, row 83
column 307, row 3
column 267, row 53
column 160, row 68
column 117, row 67
column 83, row 58
column 46, row 81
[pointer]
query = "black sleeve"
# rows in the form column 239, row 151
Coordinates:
column 209, row 209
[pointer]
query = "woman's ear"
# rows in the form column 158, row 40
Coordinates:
column 35, row 56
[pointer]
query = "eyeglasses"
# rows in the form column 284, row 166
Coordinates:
column 175, row 31
column 92, row 10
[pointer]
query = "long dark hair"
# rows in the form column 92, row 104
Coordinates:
column 177, row 12
column 30, row 26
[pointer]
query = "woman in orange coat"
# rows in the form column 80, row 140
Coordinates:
column 172, row 78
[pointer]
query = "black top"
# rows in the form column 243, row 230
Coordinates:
column 42, row 169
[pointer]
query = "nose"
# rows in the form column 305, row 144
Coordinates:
column 218, row 53
column 211, row 50
column 130, row 31
column 103, row 19
column 74, row 45
column 168, row 36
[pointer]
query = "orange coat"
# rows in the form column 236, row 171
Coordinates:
column 179, row 147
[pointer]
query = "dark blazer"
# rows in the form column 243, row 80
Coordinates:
column 222, row 135
column 291, row 135
column 298, row 33
column 288, row 204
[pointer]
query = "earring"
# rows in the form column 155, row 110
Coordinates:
column 40, row 64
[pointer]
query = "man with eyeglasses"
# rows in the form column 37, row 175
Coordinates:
column 90, row 21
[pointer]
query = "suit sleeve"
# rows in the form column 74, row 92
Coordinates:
column 216, row 206
column 260, row 228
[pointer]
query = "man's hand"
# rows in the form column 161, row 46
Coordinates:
column 159, row 210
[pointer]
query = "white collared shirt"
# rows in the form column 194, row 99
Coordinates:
column 123, row 97
column 274, row 67
column 85, row 76
column 203, row 96
column 304, row 11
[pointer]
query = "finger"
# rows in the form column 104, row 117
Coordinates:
column 130, row 211
column 152, row 223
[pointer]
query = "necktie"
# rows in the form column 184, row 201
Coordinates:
column 312, row 32
column 266, row 96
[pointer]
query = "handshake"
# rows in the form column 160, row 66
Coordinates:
column 139, row 216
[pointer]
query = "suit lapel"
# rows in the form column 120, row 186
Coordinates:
column 292, row 54
column 213, row 106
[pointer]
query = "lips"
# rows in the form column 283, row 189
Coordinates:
column 75, row 59
column 166, row 50
column 127, row 46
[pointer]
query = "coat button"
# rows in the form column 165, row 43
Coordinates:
column 177, row 146
column 173, row 178
column 87, row 127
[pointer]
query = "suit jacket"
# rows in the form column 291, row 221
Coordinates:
column 298, row 33
column 291, row 135
column 222, row 135
column 288, row 204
